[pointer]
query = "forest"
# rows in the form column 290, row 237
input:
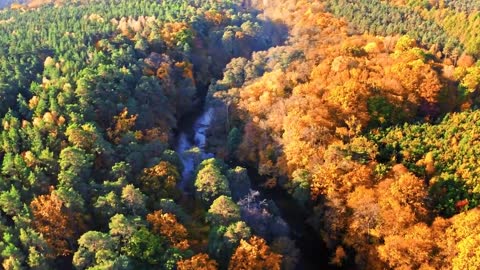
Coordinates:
column 239, row 134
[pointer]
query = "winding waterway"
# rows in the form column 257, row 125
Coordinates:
column 189, row 138
column 192, row 134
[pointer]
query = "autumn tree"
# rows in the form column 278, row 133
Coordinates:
column 411, row 249
column 59, row 225
column 362, row 225
column 159, row 181
column 166, row 224
column 123, row 123
column 200, row 261
column 254, row 254
column 462, row 240
column 86, row 137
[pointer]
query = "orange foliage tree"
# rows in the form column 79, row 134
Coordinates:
column 58, row 224
column 198, row 262
column 123, row 124
column 166, row 224
column 172, row 32
column 160, row 180
column 255, row 255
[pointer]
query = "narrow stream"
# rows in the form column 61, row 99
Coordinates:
column 189, row 138
column 192, row 135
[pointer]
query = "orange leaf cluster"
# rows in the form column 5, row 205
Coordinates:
column 123, row 124
column 59, row 225
column 198, row 262
column 166, row 224
column 255, row 255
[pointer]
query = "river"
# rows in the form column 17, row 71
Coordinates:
column 192, row 133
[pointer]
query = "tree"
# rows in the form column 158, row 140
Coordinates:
column 145, row 246
column 124, row 227
column 299, row 186
column 234, row 139
column 468, row 253
column 141, row 45
column 160, row 181
column 75, row 169
column 216, row 245
column 169, row 206
column 405, row 43
column 462, row 241
column 123, row 125
column 256, row 255
column 133, row 199
column 223, row 211
column 364, row 205
column 471, row 81
column 59, row 225
column 12, row 263
column 211, row 184
column 96, row 249
column 200, row 261
column 36, row 245
column 222, row 241
column 166, row 225
column 107, row 206
column 37, row 260
column 85, row 137
column 172, row 157
column 410, row 249
column 236, row 232
column 10, row 251
column 401, row 205
column 10, row 201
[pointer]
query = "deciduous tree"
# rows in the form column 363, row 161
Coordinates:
column 59, row 225
column 256, row 255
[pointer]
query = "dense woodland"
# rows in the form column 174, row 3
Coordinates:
column 363, row 113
